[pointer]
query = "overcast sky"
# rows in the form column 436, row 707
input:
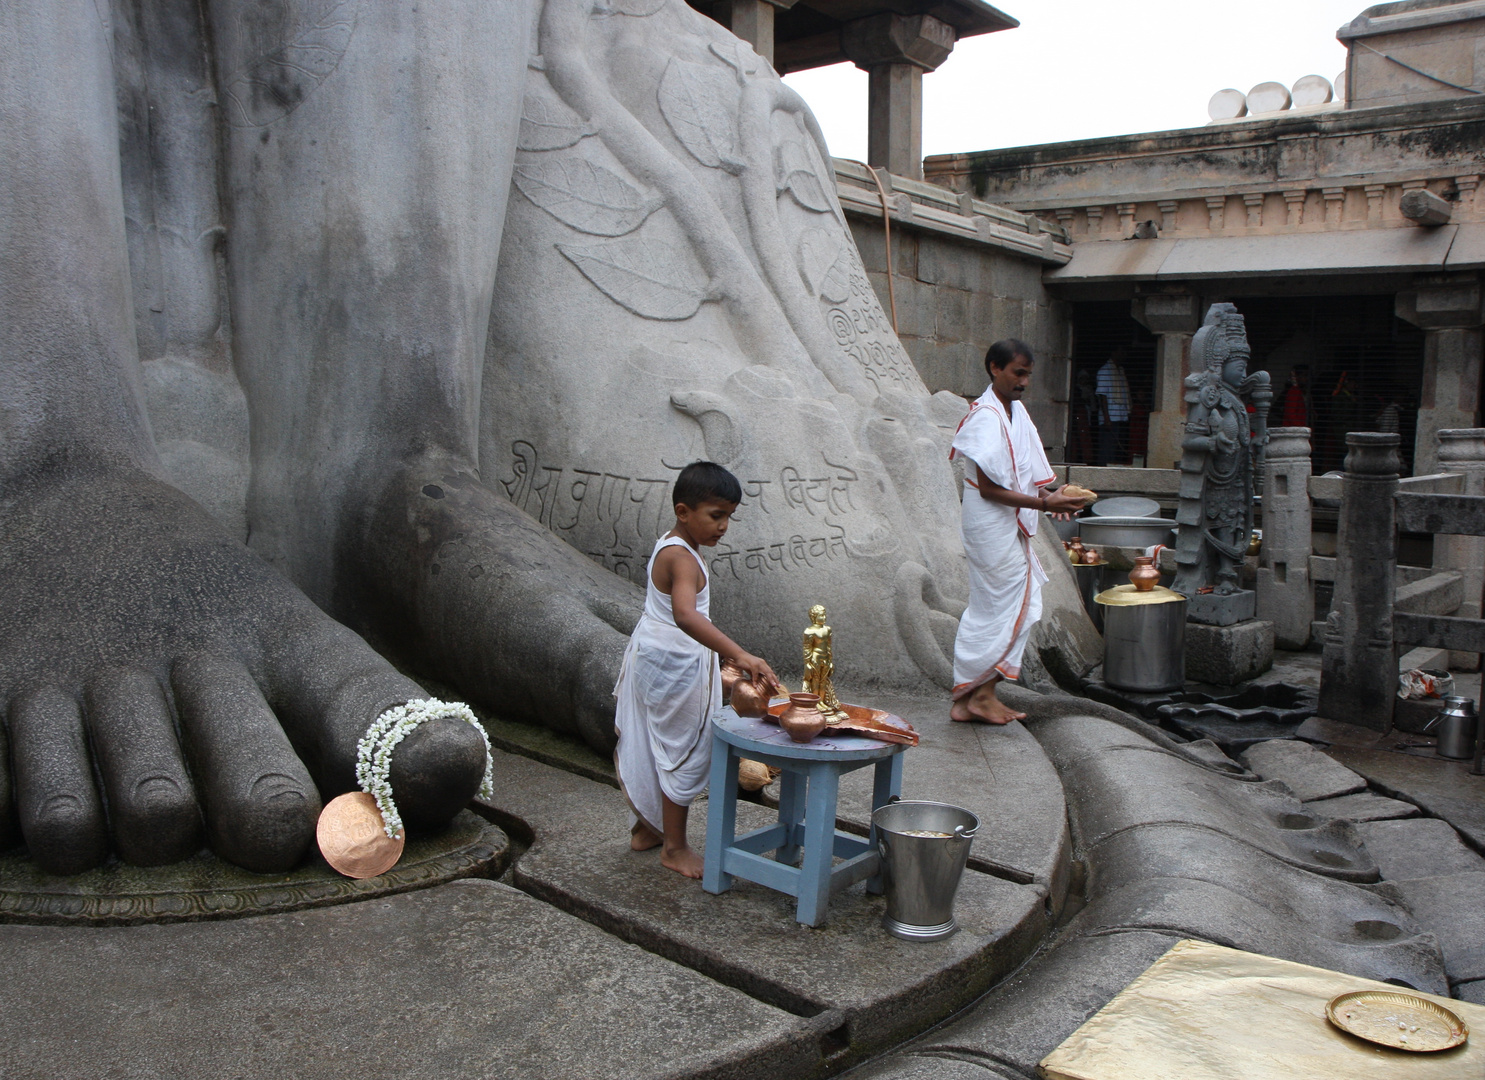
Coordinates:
column 1077, row 69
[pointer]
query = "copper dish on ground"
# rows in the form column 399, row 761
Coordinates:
column 1401, row 1021
column 859, row 720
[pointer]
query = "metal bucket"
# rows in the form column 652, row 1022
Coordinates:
column 1144, row 645
column 921, row 873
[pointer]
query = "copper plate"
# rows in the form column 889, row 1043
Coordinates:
column 1402, row 1021
column 352, row 837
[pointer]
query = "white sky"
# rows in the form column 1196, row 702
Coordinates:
column 1077, row 69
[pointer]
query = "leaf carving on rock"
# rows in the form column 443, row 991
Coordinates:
column 586, row 196
column 700, row 105
column 637, row 8
column 825, row 265
column 546, row 121
column 797, row 176
column 279, row 80
column 737, row 55
column 649, row 277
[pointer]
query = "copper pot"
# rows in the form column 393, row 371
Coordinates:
column 1144, row 577
column 803, row 719
column 749, row 698
column 731, row 673
column 1075, row 550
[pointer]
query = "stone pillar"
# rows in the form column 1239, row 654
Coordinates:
column 1358, row 679
column 752, row 20
column 895, row 50
column 1451, row 312
column 1285, row 595
column 1173, row 319
column 1462, row 450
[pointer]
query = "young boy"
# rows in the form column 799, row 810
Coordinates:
column 671, row 681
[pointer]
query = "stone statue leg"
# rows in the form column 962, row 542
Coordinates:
column 369, row 149
column 138, row 639
column 676, row 282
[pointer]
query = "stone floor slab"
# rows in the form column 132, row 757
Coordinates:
column 1443, row 788
column 877, row 988
column 1362, row 806
column 1471, row 991
column 1417, row 848
column 1095, row 768
column 998, row 773
column 466, row 980
column 1453, row 907
column 1302, row 769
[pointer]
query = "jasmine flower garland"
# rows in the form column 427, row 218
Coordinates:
column 374, row 751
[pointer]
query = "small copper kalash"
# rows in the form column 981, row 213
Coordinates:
column 816, row 708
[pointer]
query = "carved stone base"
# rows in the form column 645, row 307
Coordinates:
column 205, row 887
column 1228, row 655
column 1217, row 610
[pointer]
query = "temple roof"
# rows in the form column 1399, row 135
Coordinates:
column 808, row 34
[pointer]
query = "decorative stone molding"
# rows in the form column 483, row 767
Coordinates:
column 1168, row 208
column 1294, row 203
column 1254, row 203
column 1335, row 204
column 1466, row 186
column 1095, row 220
column 920, row 40
column 1126, row 217
column 1216, row 212
column 206, row 888
column 1374, row 193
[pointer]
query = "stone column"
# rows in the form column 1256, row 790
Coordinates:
column 895, row 50
column 1358, row 680
column 1173, row 319
column 1450, row 311
column 1462, row 450
column 1285, row 595
column 752, row 20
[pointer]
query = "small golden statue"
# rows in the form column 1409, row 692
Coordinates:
column 819, row 662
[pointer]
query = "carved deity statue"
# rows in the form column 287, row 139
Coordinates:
column 1222, row 453
column 819, row 660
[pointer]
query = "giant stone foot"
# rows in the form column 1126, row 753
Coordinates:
column 212, row 701
column 677, row 282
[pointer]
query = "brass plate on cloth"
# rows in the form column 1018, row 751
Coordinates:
column 1129, row 596
column 1403, row 1021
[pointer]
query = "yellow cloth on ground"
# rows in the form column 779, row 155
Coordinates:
column 1204, row 1012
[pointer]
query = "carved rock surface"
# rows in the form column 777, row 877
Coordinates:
column 677, row 283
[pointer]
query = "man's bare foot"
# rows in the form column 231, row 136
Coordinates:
column 983, row 706
column 683, row 860
column 644, row 838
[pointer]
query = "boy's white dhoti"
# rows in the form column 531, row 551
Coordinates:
column 1005, row 578
column 669, row 686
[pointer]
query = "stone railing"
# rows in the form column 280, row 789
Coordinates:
column 935, row 209
column 1294, row 567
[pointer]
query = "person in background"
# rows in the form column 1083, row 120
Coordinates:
column 1112, row 396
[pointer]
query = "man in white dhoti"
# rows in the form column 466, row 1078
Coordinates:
column 1007, row 488
column 670, row 683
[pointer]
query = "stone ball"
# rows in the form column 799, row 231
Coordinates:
column 1340, row 86
column 1268, row 97
column 1312, row 90
column 1227, row 104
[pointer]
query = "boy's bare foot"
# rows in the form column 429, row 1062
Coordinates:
column 983, row 706
column 683, row 860
column 644, row 838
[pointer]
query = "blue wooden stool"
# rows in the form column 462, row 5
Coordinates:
column 811, row 779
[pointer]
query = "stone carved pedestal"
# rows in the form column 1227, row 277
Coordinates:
column 1358, row 682
column 1285, row 597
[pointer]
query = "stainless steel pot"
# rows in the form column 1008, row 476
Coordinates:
column 1125, row 531
column 1144, row 641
